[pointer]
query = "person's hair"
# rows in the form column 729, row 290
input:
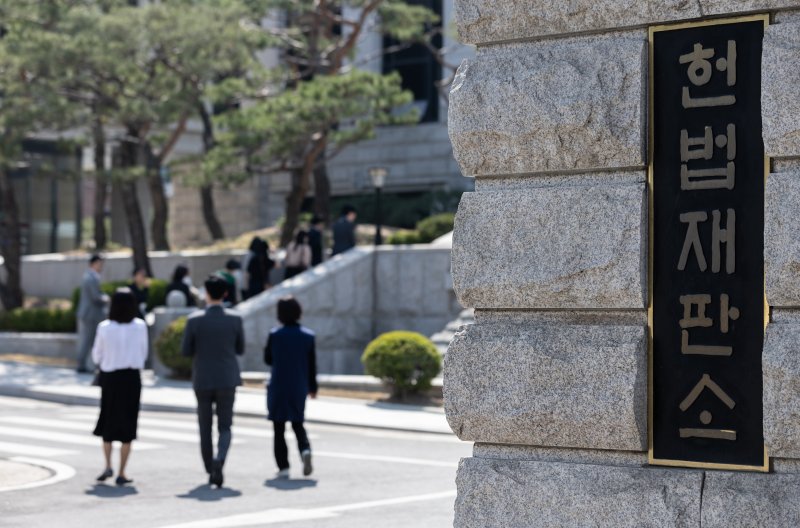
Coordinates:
column 347, row 209
column 289, row 310
column 123, row 306
column 255, row 243
column 301, row 238
column 180, row 272
column 232, row 264
column 316, row 220
column 216, row 287
column 137, row 270
column 95, row 258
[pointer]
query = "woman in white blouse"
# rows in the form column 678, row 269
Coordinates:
column 120, row 350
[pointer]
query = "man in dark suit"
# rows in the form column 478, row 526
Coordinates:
column 344, row 230
column 214, row 338
column 315, row 240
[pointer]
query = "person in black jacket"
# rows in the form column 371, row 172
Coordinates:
column 291, row 353
column 139, row 286
column 182, row 282
column 315, row 240
column 344, row 230
column 213, row 338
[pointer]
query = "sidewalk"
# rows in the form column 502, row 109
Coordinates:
column 64, row 385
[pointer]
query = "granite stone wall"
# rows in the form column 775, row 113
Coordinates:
column 550, row 118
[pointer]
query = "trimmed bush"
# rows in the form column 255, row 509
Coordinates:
column 407, row 361
column 38, row 320
column 403, row 237
column 435, row 226
column 168, row 348
column 157, row 295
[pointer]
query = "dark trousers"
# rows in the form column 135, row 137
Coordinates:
column 281, row 451
column 209, row 402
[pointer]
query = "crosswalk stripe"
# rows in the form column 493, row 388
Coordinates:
column 192, row 426
column 64, row 438
column 32, row 450
column 381, row 458
column 143, row 432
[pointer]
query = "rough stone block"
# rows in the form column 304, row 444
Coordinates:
column 781, row 243
column 744, row 500
column 479, row 21
column 506, row 493
column 568, row 247
column 781, row 370
column 548, row 385
column 780, row 92
column 553, row 105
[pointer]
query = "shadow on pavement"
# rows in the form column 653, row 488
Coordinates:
column 207, row 493
column 110, row 492
column 289, row 484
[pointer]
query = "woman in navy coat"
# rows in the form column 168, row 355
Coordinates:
column 291, row 352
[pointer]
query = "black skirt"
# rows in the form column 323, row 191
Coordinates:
column 119, row 405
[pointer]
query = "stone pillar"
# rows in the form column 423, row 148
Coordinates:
column 551, row 250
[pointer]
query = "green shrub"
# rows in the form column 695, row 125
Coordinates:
column 157, row 294
column 403, row 237
column 168, row 348
column 38, row 320
column 407, row 361
column 435, row 226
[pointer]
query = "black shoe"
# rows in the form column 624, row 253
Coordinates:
column 306, row 457
column 108, row 473
column 121, row 481
column 216, row 474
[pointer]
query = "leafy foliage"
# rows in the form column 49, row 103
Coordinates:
column 435, row 226
column 156, row 295
column 168, row 348
column 38, row 320
column 407, row 361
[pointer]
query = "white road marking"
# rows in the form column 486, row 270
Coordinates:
column 143, row 432
column 192, row 426
column 382, row 458
column 278, row 515
column 60, row 471
column 64, row 438
column 32, row 450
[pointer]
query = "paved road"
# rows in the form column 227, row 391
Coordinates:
column 362, row 477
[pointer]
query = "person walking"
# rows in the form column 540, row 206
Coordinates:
column 120, row 350
column 91, row 310
column 344, row 230
column 231, row 274
column 140, row 287
column 315, row 238
column 181, row 282
column 291, row 353
column 213, row 338
column 298, row 255
column 258, row 265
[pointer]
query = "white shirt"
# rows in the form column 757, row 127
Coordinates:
column 120, row 346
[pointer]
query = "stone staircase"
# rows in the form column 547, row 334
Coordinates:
column 442, row 339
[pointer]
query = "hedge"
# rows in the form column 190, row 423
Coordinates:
column 157, row 294
column 168, row 348
column 407, row 361
column 428, row 230
column 38, row 320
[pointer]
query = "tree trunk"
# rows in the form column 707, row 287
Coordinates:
column 209, row 212
column 101, row 186
column 322, row 191
column 10, row 244
column 294, row 203
column 206, row 191
column 158, row 226
column 129, row 156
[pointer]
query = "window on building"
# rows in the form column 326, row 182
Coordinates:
column 419, row 68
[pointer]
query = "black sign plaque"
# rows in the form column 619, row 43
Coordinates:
column 707, row 266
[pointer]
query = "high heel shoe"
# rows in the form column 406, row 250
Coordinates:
column 108, row 473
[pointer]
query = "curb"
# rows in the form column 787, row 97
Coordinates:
column 67, row 399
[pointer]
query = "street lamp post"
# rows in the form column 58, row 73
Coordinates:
column 378, row 177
